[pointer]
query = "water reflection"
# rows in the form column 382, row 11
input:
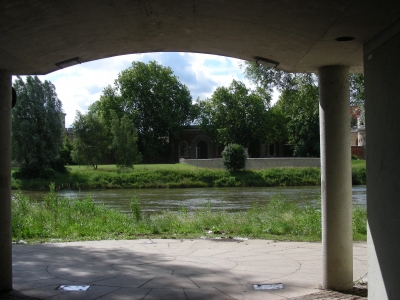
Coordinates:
column 229, row 199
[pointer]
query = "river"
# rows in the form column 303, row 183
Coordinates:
column 228, row 199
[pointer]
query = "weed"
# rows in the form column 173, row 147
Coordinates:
column 136, row 208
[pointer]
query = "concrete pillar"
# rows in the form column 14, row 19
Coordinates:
column 337, row 235
column 382, row 106
column 5, row 182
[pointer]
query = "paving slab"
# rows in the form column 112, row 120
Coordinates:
column 174, row 269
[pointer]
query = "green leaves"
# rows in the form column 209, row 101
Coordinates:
column 91, row 139
column 37, row 130
column 235, row 114
column 157, row 103
column 124, row 142
column 234, row 157
column 300, row 108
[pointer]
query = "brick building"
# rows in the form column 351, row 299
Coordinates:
column 193, row 137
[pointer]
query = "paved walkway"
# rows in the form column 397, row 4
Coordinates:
column 173, row 269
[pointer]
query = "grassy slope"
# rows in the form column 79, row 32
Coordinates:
column 179, row 175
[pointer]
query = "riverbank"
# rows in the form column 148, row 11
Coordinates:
column 62, row 219
column 180, row 176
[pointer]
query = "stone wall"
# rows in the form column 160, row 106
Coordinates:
column 257, row 163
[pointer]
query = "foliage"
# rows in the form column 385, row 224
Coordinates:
column 269, row 78
column 66, row 151
column 91, row 139
column 155, row 100
column 235, row 115
column 359, row 174
column 136, row 208
column 124, row 142
column 234, row 157
column 300, row 108
column 357, row 95
column 37, row 130
column 69, row 220
column 302, row 90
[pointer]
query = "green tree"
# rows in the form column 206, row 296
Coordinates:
column 269, row 78
column 37, row 129
column 235, row 115
column 66, row 151
column 357, row 96
column 155, row 100
column 234, row 157
column 124, row 142
column 299, row 107
column 91, row 139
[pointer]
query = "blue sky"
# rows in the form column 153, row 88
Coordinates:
column 79, row 86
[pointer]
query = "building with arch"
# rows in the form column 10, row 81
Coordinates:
column 192, row 137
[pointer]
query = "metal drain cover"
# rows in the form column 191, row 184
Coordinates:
column 73, row 287
column 274, row 286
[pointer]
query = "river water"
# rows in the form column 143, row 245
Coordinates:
column 228, row 199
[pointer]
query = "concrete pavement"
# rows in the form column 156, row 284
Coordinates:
column 173, row 269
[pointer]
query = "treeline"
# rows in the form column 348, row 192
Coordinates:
column 147, row 107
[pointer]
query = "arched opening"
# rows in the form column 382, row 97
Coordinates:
column 271, row 149
column 202, row 149
column 183, row 149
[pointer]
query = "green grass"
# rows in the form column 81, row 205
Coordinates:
column 179, row 176
column 358, row 163
column 61, row 219
column 359, row 172
column 136, row 167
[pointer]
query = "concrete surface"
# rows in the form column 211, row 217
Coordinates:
column 174, row 269
column 383, row 165
column 336, row 177
column 5, row 180
column 299, row 35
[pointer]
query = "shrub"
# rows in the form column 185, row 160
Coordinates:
column 234, row 157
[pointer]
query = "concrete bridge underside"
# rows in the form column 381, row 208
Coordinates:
column 332, row 38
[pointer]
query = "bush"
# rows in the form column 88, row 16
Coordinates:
column 234, row 157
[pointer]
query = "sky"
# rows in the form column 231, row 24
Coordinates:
column 79, row 86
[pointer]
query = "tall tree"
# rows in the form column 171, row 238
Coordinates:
column 155, row 100
column 235, row 115
column 91, row 139
column 37, row 130
column 124, row 142
column 300, row 108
